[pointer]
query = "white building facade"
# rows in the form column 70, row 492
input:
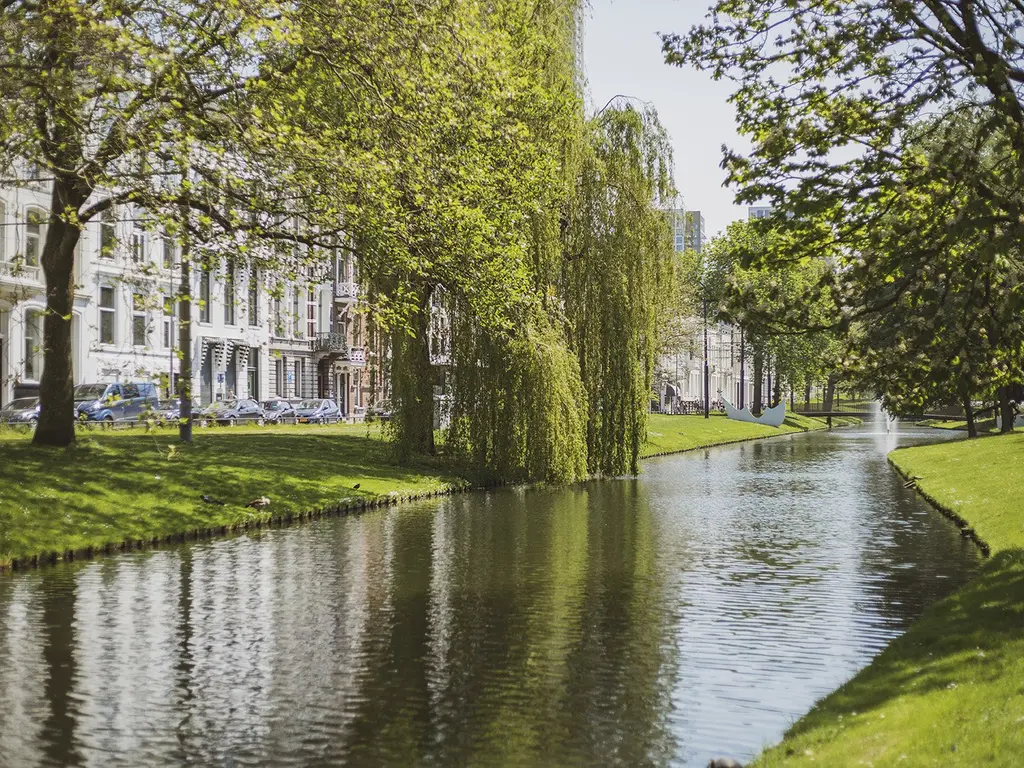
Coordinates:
column 680, row 376
column 253, row 335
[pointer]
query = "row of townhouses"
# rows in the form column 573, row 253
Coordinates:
column 252, row 336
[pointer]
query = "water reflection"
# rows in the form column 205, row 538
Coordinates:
column 696, row 611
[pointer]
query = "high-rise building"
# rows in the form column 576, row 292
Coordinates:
column 759, row 212
column 695, row 231
column 678, row 220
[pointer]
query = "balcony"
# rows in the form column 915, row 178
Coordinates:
column 346, row 291
column 19, row 271
column 336, row 347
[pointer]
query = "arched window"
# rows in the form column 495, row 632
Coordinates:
column 35, row 233
column 33, row 344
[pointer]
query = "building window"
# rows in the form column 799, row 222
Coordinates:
column 278, row 317
column 35, row 231
column 296, row 314
column 139, row 320
column 205, row 311
column 279, row 377
column 3, row 231
column 229, row 293
column 169, row 313
column 108, row 235
column 252, row 373
column 298, row 378
column 254, row 297
column 33, row 344
column 107, row 315
column 310, row 313
column 138, row 246
column 168, row 252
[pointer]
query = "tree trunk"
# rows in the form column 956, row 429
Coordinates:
column 807, row 396
column 755, row 407
column 768, row 371
column 185, row 345
column 413, row 383
column 830, row 393
column 1007, row 412
column 56, row 385
column 972, row 427
column 777, row 392
column 743, row 368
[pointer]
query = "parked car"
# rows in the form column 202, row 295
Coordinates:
column 24, row 410
column 278, row 408
column 114, row 402
column 318, row 412
column 379, row 410
column 230, row 411
column 169, row 411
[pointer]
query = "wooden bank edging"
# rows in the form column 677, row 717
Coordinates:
column 346, row 507
column 966, row 529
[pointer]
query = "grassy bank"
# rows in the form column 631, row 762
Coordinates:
column 671, row 434
column 133, row 486
column 951, row 690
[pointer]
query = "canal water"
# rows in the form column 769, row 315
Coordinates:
column 695, row 611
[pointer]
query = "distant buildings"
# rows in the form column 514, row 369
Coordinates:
column 759, row 212
column 695, row 234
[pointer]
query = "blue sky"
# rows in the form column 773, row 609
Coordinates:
column 622, row 55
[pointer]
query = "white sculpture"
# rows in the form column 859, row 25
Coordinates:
column 772, row 417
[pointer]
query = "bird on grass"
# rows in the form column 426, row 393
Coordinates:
column 210, row 500
column 355, row 487
column 259, row 503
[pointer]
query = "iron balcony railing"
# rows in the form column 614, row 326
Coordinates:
column 336, row 345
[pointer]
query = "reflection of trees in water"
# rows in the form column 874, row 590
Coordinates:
column 56, row 591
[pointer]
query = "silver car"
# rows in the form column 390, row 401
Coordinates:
column 232, row 411
column 24, row 410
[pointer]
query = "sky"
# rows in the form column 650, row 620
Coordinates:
column 622, row 55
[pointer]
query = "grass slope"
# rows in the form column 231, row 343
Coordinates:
column 133, row 485
column 671, row 434
column 951, row 690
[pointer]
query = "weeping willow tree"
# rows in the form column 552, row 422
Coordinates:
column 618, row 277
column 528, row 240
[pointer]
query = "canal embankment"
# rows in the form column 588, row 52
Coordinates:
column 115, row 491
column 949, row 691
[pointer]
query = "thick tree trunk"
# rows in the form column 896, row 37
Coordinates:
column 56, row 385
column 830, row 393
column 1007, row 411
column 755, row 407
column 185, row 346
column 768, row 371
column 413, row 383
column 777, row 392
column 972, row 427
column 807, row 396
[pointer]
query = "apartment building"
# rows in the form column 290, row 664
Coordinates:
column 680, row 376
column 253, row 334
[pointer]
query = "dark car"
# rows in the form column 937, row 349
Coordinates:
column 169, row 411
column 318, row 412
column 277, row 408
column 24, row 410
column 118, row 401
column 231, row 411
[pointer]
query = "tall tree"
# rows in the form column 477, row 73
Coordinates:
column 109, row 101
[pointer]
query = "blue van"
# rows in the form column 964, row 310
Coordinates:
column 119, row 401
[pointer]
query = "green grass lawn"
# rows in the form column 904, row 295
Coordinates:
column 137, row 485
column 667, row 434
column 951, row 690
